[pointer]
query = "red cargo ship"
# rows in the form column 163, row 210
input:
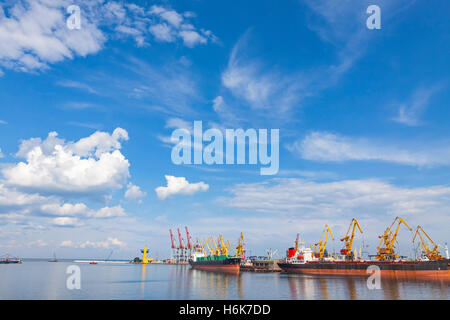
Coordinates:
column 414, row 269
column 304, row 261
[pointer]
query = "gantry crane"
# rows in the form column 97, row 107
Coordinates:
column 189, row 239
column 389, row 239
column 347, row 252
column 174, row 247
column 182, row 254
column 431, row 254
column 323, row 242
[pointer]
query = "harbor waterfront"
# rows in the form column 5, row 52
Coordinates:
column 41, row 280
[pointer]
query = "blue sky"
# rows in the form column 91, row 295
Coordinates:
column 363, row 118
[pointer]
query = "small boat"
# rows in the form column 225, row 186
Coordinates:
column 54, row 258
column 93, row 262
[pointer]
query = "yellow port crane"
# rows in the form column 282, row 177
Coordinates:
column 432, row 254
column 145, row 258
column 323, row 242
column 209, row 246
column 217, row 251
column 349, row 239
column 222, row 246
column 240, row 247
column 204, row 247
column 389, row 239
column 228, row 245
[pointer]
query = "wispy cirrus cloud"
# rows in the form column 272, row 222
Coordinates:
column 261, row 86
column 411, row 111
column 291, row 204
column 327, row 199
column 171, row 89
column 77, row 85
column 111, row 242
column 331, row 147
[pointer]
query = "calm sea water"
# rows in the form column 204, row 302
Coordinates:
column 44, row 280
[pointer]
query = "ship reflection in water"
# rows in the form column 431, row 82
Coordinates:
column 354, row 288
column 132, row 281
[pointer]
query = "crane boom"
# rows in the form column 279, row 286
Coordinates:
column 188, row 236
column 223, row 247
column 216, row 249
column 208, row 246
column 180, row 239
column 172, row 240
column 389, row 238
column 349, row 239
column 240, row 247
column 323, row 242
column 431, row 254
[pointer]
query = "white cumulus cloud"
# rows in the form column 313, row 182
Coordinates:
column 66, row 222
column 81, row 210
column 134, row 192
column 179, row 185
column 108, row 243
column 92, row 164
column 33, row 34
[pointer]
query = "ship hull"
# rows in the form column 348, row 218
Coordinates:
column 418, row 270
column 11, row 262
column 230, row 265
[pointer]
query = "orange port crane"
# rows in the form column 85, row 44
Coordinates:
column 323, row 241
column 347, row 252
column 431, row 254
column 389, row 239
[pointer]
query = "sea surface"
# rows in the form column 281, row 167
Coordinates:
column 47, row 280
